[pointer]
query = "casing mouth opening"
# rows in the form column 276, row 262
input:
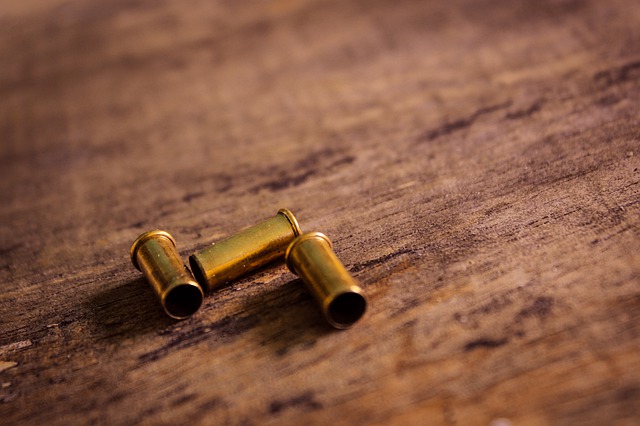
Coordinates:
column 183, row 300
column 345, row 309
column 198, row 272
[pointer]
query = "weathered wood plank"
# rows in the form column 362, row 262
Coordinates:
column 475, row 162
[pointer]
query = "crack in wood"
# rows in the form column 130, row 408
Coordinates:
column 459, row 124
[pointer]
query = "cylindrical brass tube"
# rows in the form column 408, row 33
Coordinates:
column 245, row 251
column 154, row 254
column 311, row 257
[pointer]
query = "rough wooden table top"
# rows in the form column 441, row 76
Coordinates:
column 476, row 163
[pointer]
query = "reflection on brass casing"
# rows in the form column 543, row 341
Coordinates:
column 245, row 251
column 311, row 257
column 154, row 254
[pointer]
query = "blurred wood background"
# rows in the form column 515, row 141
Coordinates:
column 477, row 164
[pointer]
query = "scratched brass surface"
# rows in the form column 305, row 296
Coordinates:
column 245, row 251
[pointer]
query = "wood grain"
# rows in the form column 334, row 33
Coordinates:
column 477, row 164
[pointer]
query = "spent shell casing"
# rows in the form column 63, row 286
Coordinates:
column 224, row 261
column 311, row 257
column 154, row 254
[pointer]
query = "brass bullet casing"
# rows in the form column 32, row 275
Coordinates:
column 245, row 251
column 311, row 257
column 154, row 254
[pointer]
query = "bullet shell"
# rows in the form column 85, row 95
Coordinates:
column 245, row 251
column 311, row 257
column 154, row 254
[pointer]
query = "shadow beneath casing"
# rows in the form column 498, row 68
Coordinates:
column 127, row 311
column 283, row 315
column 287, row 318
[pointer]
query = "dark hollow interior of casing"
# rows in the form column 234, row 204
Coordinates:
column 347, row 308
column 183, row 300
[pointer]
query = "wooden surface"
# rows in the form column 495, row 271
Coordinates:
column 477, row 164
